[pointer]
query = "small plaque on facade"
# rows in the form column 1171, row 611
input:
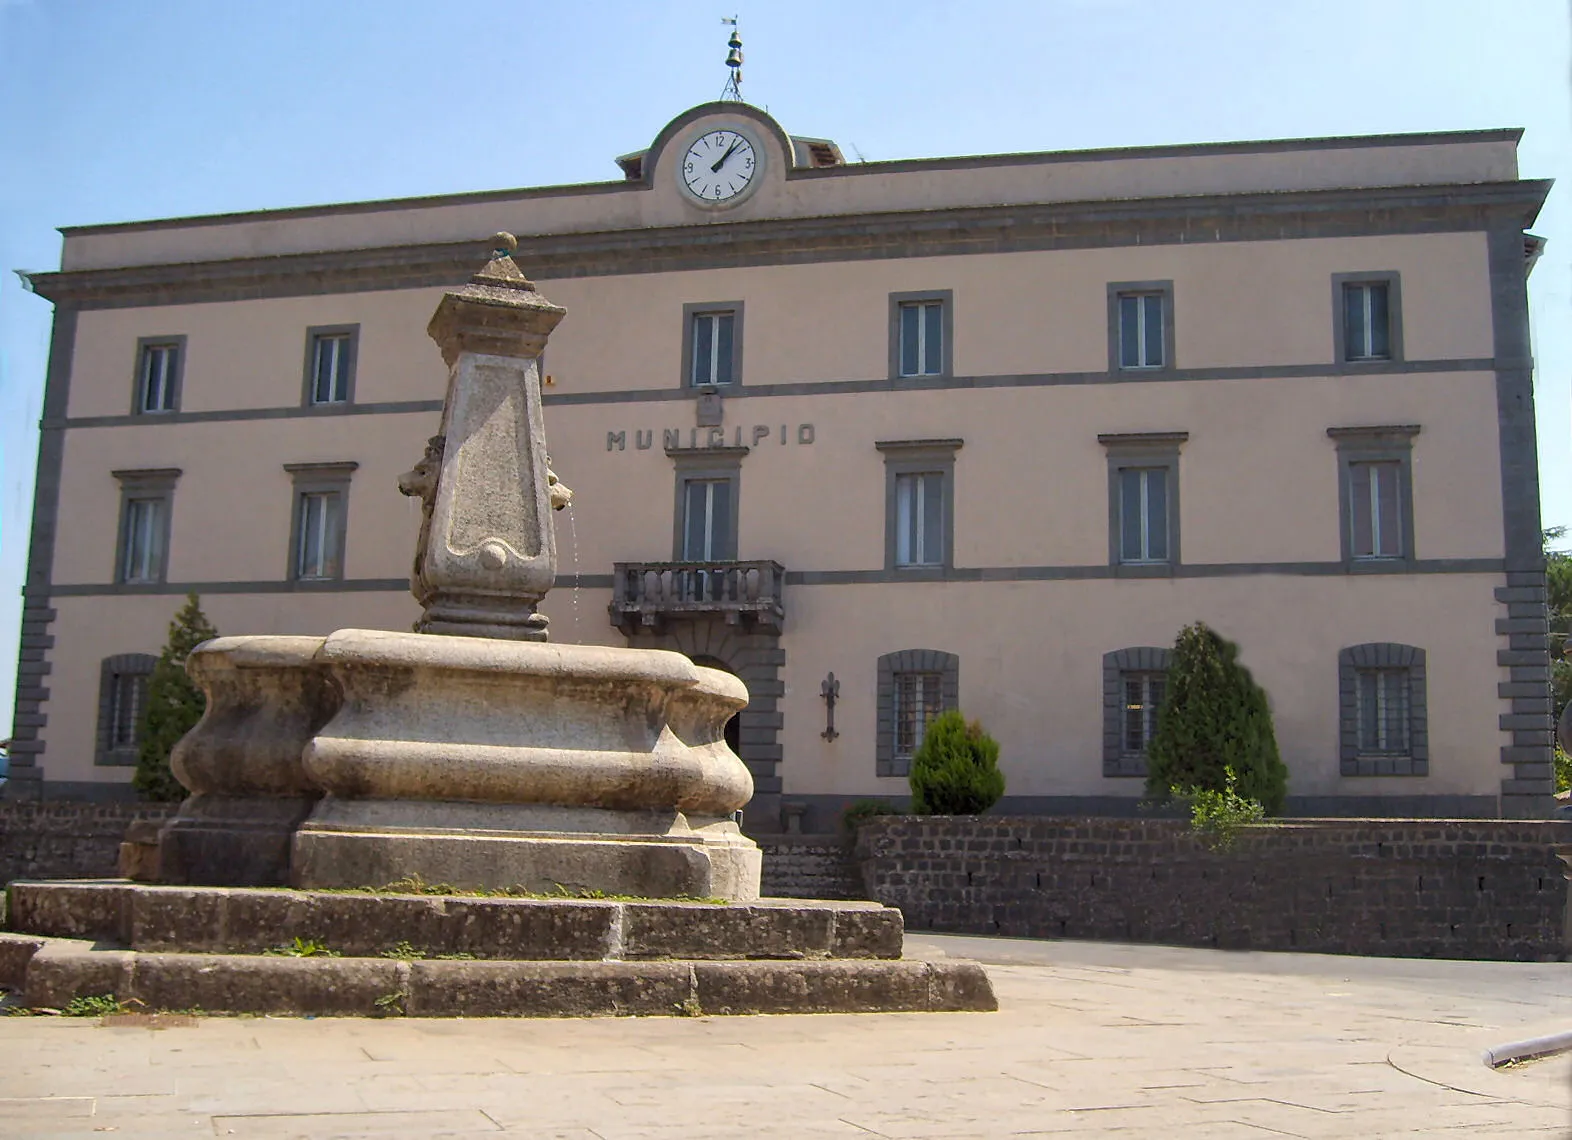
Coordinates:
column 710, row 414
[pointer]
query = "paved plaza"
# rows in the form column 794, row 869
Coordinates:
column 1090, row 1039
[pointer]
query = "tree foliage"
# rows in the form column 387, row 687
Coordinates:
column 1214, row 720
column 1558, row 603
column 174, row 704
column 955, row 770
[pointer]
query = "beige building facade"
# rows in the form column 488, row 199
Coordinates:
column 880, row 438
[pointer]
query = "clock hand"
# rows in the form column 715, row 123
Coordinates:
column 722, row 161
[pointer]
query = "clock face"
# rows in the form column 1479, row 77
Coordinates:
column 719, row 166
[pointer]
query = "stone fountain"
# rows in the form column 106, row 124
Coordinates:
column 576, row 804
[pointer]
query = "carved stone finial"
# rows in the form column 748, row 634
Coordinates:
column 502, row 243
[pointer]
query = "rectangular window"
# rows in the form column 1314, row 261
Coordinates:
column 330, row 361
column 318, row 534
column 921, row 338
column 1143, row 695
column 707, row 521
column 918, row 699
column 712, row 348
column 127, row 699
column 1375, row 509
column 142, row 557
column 1141, row 332
column 1382, row 711
column 1143, row 514
column 1367, row 321
column 158, row 378
column 919, row 519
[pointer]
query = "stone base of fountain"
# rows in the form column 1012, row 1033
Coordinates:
column 240, row 950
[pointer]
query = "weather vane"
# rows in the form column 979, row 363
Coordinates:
column 733, row 88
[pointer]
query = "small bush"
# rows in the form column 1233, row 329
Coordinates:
column 1563, row 769
column 860, row 812
column 1215, row 724
column 1217, row 817
column 955, row 770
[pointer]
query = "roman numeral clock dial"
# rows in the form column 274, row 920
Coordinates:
column 719, row 167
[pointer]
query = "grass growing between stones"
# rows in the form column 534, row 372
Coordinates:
column 301, row 948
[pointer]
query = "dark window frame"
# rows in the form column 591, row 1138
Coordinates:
column 139, row 380
column 308, row 382
column 696, row 309
column 1118, row 763
column 705, row 464
column 110, row 670
column 1382, row 655
column 919, row 457
column 315, row 479
column 1148, row 451
column 890, row 665
column 1382, row 443
column 1394, row 314
column 1117, row 290
column 151, row 484
column 946, row 299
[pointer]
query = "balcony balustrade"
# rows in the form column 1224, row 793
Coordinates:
column 647, row 595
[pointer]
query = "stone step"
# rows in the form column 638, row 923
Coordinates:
column 240, row 920
column 365, row 987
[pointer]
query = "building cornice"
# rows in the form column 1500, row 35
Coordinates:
column 954, row 231
column 851, row 170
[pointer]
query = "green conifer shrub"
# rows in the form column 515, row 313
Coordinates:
column 955, row 770
column 174, row 704
column 1214, row 719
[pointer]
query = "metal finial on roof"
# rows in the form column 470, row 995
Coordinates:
column 733, row 88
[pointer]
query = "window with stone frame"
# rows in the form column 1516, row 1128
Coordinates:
column 319, row 524
column 712, row 344
column 158, row 375
column 330, row 365
column 1140, row 326
column 1134, row 684
column 922, row 329
column 1383, row 710
column 1368, row 321
column 914, row 686
column 1143, row 500
column 1375, row 495
column 122, row 702
column 142, row 546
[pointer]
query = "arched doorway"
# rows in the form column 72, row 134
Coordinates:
column 734, row 725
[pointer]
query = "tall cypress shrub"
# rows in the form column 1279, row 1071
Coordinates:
column 1214, row 719
column 955, row 770
column 174, row 704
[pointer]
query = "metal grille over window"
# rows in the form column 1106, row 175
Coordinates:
column 1383, row 712
column 919, row 519
column 1141, row 330
column 144, row 540
column 922, row 338
column 127, row 698
column 1143, row 514
column 1143, row 695
column 317, row 552
column 712, row 348
column 1367, row 321
column 918, row 700
column 159, row 370
column 1374, row 497
column 330, row 369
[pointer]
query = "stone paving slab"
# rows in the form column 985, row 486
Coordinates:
column 1091, row 1040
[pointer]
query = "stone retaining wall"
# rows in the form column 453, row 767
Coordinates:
column 810, row 867
column 66, row 839
column 1405, row 888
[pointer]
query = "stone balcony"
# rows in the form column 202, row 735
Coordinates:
column 647, row 596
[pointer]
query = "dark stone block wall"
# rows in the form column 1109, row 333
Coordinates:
column 67, row 839
column 809, row 867
column 1405, row 888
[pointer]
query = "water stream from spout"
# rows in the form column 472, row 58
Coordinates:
column 573, row 540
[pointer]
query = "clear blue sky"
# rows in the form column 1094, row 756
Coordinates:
column 113, row 110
